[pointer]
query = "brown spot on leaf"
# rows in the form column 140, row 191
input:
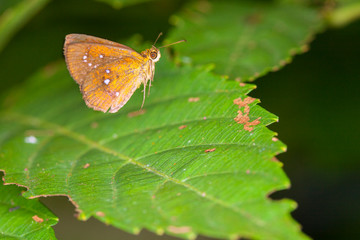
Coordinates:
column 240, row 118
column 210, row 150
column 37, row 219
column 193, row 99
column 253, row 123
column 86, row 165
column 253, row 19
column 305, row 48
column 242, row 84
column 136, row 113
column 243, row 116
column 100, row 214
column 275, row 139
column 94, row 125
column 182, row 127
column 242, row 103
column 283, row 62
column 275, row 68
column 179, row 230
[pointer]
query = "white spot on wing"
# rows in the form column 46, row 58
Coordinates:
column 89, row 64
column 117, row 94
column 107, row 71
column 84, row 57
column 85, row 60
column 101, row 56
column 107, row 81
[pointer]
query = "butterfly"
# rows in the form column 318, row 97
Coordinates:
column 108, row 73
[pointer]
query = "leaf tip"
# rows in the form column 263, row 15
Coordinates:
column 160, row 231
column 136, row 230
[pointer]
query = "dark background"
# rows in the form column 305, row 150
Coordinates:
column 316, row 98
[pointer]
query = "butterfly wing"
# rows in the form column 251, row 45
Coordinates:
column 85, row 53
column 112, row 85
column 83, row 38
column 108, row 73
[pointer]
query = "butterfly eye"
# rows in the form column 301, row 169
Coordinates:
column 153, row 55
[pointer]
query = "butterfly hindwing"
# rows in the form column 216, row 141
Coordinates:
column 111, row 85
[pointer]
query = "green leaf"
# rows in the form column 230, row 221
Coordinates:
column 22, row 218
column 181, row 166
column 122, row 3
column 245, row 39
column 14, row 14
column 344, row 13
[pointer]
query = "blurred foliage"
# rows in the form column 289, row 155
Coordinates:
column 14, row 14
column 122, row 3
column 262, row 36
column 342, row 12
column 23, row 218
column 313, row 125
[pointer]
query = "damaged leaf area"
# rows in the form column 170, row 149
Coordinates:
column 22, row 218
column 180, row 166
column 243, row 115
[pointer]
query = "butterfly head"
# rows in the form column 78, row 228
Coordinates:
column 153, row 53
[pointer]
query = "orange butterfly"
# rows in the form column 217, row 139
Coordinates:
column 108, row 73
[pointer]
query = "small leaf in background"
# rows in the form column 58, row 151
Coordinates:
column 341, row 12
column 23, row 218
column 122, row 3
column 245, row 39
column 14, row 14
column 182, row 165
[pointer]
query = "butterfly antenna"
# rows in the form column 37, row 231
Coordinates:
column 173, row 43
column 157, row 38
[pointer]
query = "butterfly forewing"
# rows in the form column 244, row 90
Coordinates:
column 84, row 54
column 83, row 38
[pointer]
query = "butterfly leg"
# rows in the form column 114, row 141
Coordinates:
column 143, row 97
column 149, row 87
